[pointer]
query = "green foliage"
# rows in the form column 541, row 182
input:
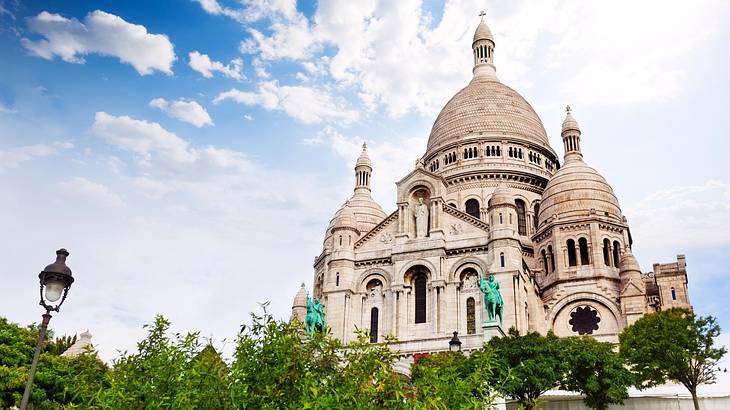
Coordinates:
column 166, row 373
column 675, row 345
column 527, row 366
column 452, row 380
column 60, row 344
column 594, row 369
column 60, row 382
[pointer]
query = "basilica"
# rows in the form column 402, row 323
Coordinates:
column 488, row 198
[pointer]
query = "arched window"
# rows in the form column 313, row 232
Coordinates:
column 536, row 209
column 337, row 279
column 571, row 253
column 471, row 320
column 472, row 207
column 584, row 257
column 545, row 262
column 500, row 219
column 616, row 255
column 674, row 294
column 521, row 218
column 501, row 259
column 453, row 205
column 552, row 258
column 420, row 293
column 374, row 325
column 606, row 252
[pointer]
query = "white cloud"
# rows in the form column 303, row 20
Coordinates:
column 184, row 110
column 155, row 146
column 13, row 157
column 248, row 117
column 205, row 66
column 307, row 104
column 683, row 217
column 392, row 159
column 86, row 190
column 100, row 33
column 394, row 56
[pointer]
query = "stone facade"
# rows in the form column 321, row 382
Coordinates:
column 488, row 197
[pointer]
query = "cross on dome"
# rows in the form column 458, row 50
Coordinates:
column 482, row 14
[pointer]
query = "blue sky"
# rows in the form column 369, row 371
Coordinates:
column 190, row 154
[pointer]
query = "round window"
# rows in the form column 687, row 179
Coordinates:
column 584, row 320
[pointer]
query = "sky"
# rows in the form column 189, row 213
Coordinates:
column 190, row 154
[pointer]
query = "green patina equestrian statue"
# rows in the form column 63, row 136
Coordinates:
column 314, row 321
column 492, row 299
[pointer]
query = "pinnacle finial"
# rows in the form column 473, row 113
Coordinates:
column 567, row 109
column 482, row 14
column 364, row 146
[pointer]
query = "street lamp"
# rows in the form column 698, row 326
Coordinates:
column 455, row 343
column 55, row 281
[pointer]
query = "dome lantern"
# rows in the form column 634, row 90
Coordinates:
column 363, row 170
column 571, row 136
column 483, row 49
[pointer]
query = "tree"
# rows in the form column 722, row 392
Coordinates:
column 594, row 369
column 59, row 382
column 451, row 380
column 166, row 373
column 674, row 345
column 527, row 366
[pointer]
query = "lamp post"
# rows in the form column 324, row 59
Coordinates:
column 455, row 343
column 55, row 282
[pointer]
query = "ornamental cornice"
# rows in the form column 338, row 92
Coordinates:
column 374, row 262
column 467, row 250
column 490, row 179
column 542, row 235
column 574, row 227
column 465, row 217
column 611, row 227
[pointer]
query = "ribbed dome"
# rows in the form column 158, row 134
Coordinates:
column 300, row 300
column 569, row 123
column 576, row 189
column 366, row 213
column 363, row 159
column 628, row 262
column 501, row 196
column 483, row 32
column 488, row 106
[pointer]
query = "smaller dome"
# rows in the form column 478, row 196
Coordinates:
column 628, row 262
column 80, row 346
column 300, row 300
column 569, row 123
column 483, row 32
column 363, row 159
column 578, row 190
column 345, row 219
column 501, row 196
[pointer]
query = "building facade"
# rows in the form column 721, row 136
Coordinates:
column 488, row 197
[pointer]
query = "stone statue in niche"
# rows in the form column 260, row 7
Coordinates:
column 421, row 219
column 470, row 281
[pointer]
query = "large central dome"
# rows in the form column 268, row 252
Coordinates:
column 490, row 107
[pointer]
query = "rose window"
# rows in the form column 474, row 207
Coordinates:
column 584, row 320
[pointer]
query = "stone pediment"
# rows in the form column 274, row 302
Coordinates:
column 381, row 236
column 419, row 176
column 457, row 223
column 631, row 289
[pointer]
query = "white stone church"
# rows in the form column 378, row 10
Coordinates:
column 488, row 197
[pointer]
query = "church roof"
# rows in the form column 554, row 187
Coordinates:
column 483, row 32
column 486, row 106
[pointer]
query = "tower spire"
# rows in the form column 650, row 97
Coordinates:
column 571, row 136
column 363, row 170
column 483, row 50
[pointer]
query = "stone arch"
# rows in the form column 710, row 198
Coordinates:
column 414, row 185
column 466, row 262
column 374, row 273
column 588, row 298
column 430, row 269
